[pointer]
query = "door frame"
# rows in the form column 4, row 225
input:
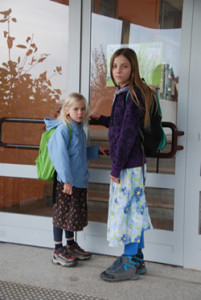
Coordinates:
column 192, row 213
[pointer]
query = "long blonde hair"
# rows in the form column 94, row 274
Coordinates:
column 69, row 102
column 135, row 80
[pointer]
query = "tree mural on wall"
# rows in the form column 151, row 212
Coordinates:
column 101, row 94
column 18, row 86
column 99, row 68
column 24, row 95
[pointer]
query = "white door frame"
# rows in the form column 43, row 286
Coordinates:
column 192, row 238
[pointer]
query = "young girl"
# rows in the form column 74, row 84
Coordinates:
column 69, row 153
column 128, row 215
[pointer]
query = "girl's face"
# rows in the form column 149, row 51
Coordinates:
column 121, row 70
column 77, row 111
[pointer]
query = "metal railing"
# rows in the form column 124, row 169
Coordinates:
column 18, row 120
column 174, row 140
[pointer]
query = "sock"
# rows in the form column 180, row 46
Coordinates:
column 57, row 246
column 139, row 253
column 69, row 237
column 70, row 242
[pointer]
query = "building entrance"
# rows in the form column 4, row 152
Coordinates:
column 161, row 35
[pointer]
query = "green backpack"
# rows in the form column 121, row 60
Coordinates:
column 45, row 168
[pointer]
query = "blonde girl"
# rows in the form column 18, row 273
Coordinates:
column 69, row 154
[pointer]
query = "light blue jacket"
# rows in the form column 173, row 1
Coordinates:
column 69, row 155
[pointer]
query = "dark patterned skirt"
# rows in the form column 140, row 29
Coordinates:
column 69, row 211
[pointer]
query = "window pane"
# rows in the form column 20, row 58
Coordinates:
column 26, row 196
column 33, row 69
column 33, row 76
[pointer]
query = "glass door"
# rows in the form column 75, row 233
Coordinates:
column 33, row 77
column 154, row 30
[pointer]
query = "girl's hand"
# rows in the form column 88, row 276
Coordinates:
column 103, row 150
column 67, row 188
column 94, row 116
column 115, row 179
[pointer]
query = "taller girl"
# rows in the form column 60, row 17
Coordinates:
column 128, row 215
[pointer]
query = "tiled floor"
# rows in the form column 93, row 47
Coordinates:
column 16, row 291
column 28, row 272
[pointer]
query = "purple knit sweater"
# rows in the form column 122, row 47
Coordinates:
column 124, row 138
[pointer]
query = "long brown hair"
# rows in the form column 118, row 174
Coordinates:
column 135, row 79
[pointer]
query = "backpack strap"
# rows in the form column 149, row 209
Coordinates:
column 143, row 153
column 69, row 129
column 141, row 144
column 127, row 95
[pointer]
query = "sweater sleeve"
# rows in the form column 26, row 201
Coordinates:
column 127, row 137
column 92, row 152
column 103, row 120
column 58, row 152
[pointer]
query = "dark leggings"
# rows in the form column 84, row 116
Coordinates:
column 58, row 233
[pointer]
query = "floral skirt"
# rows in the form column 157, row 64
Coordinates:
column 128, row 212
column 70, row 211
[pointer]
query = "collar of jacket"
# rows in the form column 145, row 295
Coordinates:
column 120, row 90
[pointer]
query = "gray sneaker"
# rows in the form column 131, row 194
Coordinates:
column 115, row 264
column 124, row 268
column 63, row 258
column 76, row 251
column 140, row 264
column 139, row 259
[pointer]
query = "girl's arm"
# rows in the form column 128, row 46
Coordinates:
column 105, row 121
column 98, row 119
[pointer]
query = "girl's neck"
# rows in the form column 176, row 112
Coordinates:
column 122, row 86
column 125, row 87
column 78, row 123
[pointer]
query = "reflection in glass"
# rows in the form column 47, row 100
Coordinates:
column 33, row 80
